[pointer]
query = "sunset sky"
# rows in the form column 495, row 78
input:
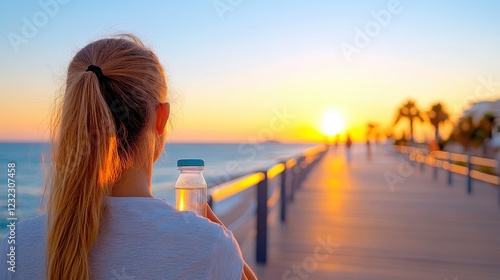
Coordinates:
column 262, row 70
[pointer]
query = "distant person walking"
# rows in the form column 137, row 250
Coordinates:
column 348, row 144
column 102, row 221
column 368, row 150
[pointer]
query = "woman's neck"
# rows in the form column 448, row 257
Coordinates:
column 134, row 182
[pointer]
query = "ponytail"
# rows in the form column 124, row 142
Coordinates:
column 86, row 162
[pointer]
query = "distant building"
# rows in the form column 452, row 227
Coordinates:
column 479, row 109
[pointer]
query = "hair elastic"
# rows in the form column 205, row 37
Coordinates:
column 97, row 71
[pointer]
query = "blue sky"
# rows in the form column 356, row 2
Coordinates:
column 261, row 55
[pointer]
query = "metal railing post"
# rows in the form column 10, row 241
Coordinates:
column 293, row 181
column 469, row 178
column 283, row 193
column 300, row 173
column 261, row 242
column 498, row 174
column 296, row 175
column 449, row 170
column 422, row 164
column 434, row 163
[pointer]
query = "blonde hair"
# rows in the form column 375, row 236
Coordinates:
column 100, row 128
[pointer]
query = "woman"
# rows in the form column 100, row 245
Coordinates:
column 102, row 221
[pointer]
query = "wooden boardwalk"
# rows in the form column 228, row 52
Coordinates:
column 348, row 222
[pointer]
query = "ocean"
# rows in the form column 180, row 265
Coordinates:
column 222, row 163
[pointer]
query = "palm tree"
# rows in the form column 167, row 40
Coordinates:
column 410, row 111
column 487, row 123
column 474, row 134
column 437, row 115
column 464, row 132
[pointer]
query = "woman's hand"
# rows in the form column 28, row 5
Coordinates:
column 247, row 273
column 211, row 216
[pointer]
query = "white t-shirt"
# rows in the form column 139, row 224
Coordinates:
column 140, row 238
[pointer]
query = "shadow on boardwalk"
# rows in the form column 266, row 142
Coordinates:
column 348, row 222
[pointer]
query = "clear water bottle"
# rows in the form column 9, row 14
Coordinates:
column 191, row 188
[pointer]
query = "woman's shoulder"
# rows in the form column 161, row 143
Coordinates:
column 32, row 228
column 157, row 215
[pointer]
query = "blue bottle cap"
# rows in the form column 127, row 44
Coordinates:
column 190, row 162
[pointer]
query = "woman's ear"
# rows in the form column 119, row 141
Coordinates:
column 162, row 114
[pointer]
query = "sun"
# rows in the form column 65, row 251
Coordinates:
column 333, row 123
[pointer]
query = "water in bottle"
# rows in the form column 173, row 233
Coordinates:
column 191, row 188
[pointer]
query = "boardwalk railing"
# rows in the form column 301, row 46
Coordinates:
column 481, row 169
column 292, row 172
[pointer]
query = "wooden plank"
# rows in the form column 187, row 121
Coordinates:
column 458, row 157
column 488, row 178
column 440, row 154
column 462, row 170
column 484, row 162
column 235, row 186
column 275, row 170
